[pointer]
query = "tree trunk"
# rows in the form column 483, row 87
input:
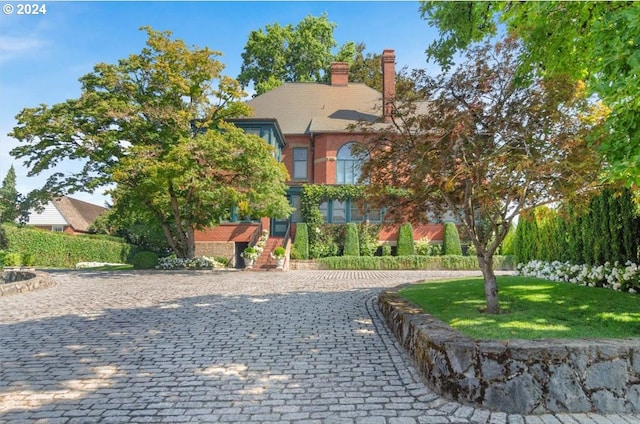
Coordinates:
column 490, row 284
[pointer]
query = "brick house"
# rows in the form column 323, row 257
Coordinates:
column 308, row 124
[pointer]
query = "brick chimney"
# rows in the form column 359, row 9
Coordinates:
column 388, row 83
column 340, row 73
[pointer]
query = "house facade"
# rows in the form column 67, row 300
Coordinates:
column 309, row 124
column 66, row 215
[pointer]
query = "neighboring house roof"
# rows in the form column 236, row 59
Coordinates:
column 303, row 108
column 65, row 210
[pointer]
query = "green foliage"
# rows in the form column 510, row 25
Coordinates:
column 608, row 231
column 279, row 252
column 154, row 124
column 12, row 259
column 506, row 247
column 311, row 196
column 351, row 241
column 450, row 262
column 59, row 250
column 368, row 238
column 301, row 242
column 301, row 53
column 145, row 260
column 597, row 42
column 451, row 240
column 10, row 199
column 405, row 240
column 386, row 250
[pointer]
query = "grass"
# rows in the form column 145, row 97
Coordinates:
column 531, row 309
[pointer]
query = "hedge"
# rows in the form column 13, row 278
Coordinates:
column 414, row 262
column 60, row 250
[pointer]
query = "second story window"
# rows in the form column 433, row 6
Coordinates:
column 348, row 167
column 300, row 163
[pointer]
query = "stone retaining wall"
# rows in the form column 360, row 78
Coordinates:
column 18, row 281
column 518, row 376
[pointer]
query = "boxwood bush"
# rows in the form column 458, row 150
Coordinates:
column 451, row 240
column 405, row 240
column 351, row 241
column 145, row 260
column 301, row 241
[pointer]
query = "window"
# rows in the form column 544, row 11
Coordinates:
column 351, row 210
column 324, row 210
column 297, row 215
column 339, row 211
column 57, row 228
column 348, row 165
column 300, row 163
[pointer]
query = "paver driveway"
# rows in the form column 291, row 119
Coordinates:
column 295, row 347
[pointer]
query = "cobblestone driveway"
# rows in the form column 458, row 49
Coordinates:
column 294, row 347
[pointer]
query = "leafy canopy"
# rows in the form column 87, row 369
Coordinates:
column 480, row 145
column 598, row 42
column 152, row 128
column 300, row 53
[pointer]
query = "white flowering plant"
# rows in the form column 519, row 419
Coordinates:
column 201, row 262
column 616, row 276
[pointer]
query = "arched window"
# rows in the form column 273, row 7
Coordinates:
column 349, row 165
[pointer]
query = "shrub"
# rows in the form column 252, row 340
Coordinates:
column 59, row 250
column 405, row 240
column 301, row 242
column 450, row 262
column 351, row 242
column 12, row 259
column 28, row 259
column 451, row 241
column 368, row 238
column 386, row 250
column 423, row 247
column 145, row 260
column 279, row 252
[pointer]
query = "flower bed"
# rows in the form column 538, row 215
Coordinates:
column 202, row 262
column 615, row 276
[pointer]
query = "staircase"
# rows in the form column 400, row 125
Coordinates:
column 265, row 262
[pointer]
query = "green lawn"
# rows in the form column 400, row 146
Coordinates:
column 532, row 309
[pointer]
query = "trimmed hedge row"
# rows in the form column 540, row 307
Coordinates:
column 448, row 262
column 59, row 250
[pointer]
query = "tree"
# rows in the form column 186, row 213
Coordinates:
column 154, row 124
column 10, row 199
column 301, row 53
column 598, row 42
column 476, row 143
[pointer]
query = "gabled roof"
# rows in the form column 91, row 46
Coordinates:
column 80, row 215
column 303, row 108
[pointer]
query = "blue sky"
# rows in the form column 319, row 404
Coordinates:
column 42, row 57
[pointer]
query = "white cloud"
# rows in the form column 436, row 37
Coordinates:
column 15, row 47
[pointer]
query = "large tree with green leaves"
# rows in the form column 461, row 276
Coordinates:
column 477, row 144
column 10, row 199
column 152, row 127
column 594, row 41
column 302, row 53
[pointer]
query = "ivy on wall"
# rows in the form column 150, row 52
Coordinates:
column 313, row 195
